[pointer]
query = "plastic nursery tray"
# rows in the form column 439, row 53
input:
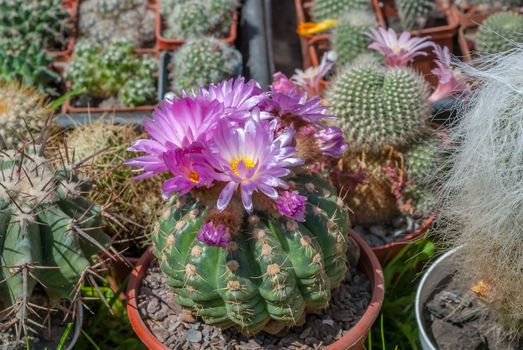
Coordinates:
column 70, row 6
column 164, row 43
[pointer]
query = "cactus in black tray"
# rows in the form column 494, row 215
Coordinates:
column 250, row 238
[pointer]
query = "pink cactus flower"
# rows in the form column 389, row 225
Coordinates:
column 292, row 205
column 214, row 235
column 331, row 141
column 449, row 83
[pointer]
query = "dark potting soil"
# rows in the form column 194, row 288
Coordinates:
column 176, row 330
column 459, row 320
column 46, row 338
column 378, row 235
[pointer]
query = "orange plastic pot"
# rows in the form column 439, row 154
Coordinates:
column 354, row 339
column 466, row 46
column 164, row 43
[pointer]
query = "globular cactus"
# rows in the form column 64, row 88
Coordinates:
column 106, row 21
column 113, row 71
column 325, row 9
column 499, row 32
column 349, row 39
column 379, row 106
column 202, row 61
column 273, row 271
column 44, row 21
column 25, row 60
column 413, row 14
column 49, row 233
column 23, row 113
column 199, row 17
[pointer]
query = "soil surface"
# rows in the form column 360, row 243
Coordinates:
column 181, row 331
column 459, row 320
column 378, row 235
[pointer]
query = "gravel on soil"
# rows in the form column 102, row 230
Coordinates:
column 377, row 235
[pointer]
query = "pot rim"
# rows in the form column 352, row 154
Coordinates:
column 369, row 265
column 419, row 303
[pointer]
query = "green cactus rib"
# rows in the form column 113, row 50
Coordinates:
column 274, row 271
column 325, row 9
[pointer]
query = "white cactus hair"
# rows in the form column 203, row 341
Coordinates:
column 481, row 196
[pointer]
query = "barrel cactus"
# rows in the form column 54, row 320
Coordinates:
column 325, row 9
column 349, row 39
column 205, row 60
column 250, row 238
column 49, row 233
column 499, row 32
column 414, row 13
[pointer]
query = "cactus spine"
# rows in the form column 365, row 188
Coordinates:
column 499, row 33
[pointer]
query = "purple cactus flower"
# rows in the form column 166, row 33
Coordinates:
column 251, row 157
column 296, row 104
column 214, row 235
column 175, row 124
column 309, row 80
column 281, row 83
column 449, row 83
column 291, row 204
column 398, row 51
column 331, row 141
column 235, row 94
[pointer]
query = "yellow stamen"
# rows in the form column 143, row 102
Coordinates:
column 3, row 108
column 308, row 28
column 481, row 289
column 194, row 177
column 249, row 164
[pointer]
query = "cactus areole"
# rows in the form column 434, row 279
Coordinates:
column 250, row 237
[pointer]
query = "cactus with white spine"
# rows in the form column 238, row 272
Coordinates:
column 414, row 13
column 325, row 9
column 499, row 32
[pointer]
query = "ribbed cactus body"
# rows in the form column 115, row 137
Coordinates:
column 325, row 9
column 379, row 106
column 413, row 13
column 202, row 61
column 348, row 39
column 499, row 32
column 48, row 232
column 273, row 272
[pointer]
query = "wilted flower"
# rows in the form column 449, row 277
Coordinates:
column 291, row 204
column 398, row 51
column 448, row 80
column 331, row 141
column 215, row 235
column 253, row 158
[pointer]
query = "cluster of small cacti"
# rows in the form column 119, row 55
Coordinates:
column 49, row 234
column 327, row 9
column 104, row 21
column 113, row 70
column 349, row 39
column 194, row 18
column 23, row 113
column 413, row 14
column 202, row 61
column 384, row 114
column 499, row 32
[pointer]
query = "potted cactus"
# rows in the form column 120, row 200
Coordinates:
column 474, row 293
column 473, row 12
column 111, row 78
column 177, row 21
column 251, row 239
column 49, row 236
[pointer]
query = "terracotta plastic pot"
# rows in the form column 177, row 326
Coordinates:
column 465, row 45
column 164, row 43
column 118, row 272
column 70, row 6
column 302, row 14
column 354, row 339
column 386, row 252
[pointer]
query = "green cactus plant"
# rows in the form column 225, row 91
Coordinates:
column 106, row 21
column 23, row 112
column 349, row 39
column 499, row 32
column 113, row 71
column 199, row 17
column 48, row 232
column 202, row 61
column 272, row 273
column 413, row 14
column 325, row 9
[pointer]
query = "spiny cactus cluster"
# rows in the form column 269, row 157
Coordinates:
column 414, row 13
column 23, row 113
column 349, row 39
column 199, row 17
column 49, row 234
column 202, row 61
column 499, row 32
column 113, row 70
column 104, row 21
column 325, row 9
column 274, row 270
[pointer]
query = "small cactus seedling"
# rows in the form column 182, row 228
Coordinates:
column 326, row 9
column 499, row 32
column 251, row 238
column 49, row 234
